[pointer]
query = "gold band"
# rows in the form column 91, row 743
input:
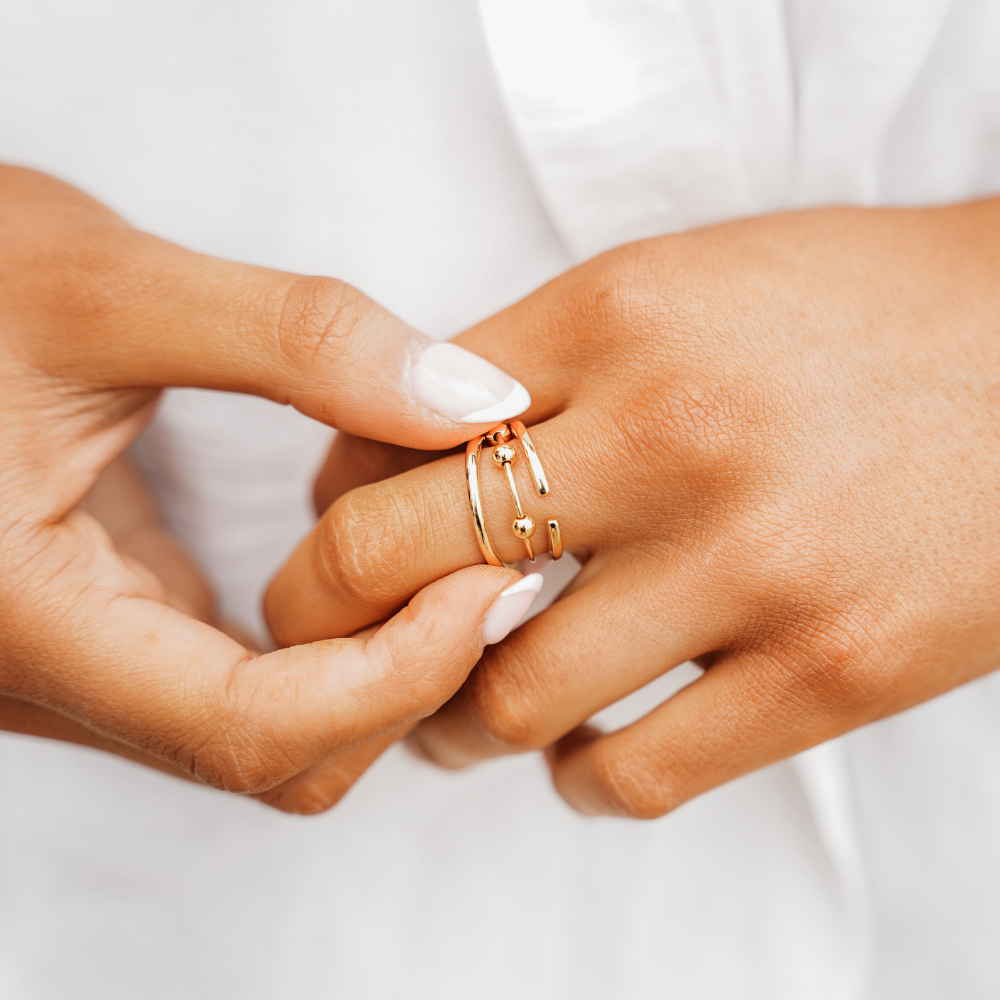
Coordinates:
column 555, row 540
column 505, row 455
column 472, row 450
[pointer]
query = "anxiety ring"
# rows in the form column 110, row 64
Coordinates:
column 502, row 438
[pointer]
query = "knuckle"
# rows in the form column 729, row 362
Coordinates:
column 632, row 785
column 706, row 424
column 246, row 775
column 840, row 666
column 587, row 309
column 230, row 772
column 318, row 319
column 506, row 704
column 593, row 312
column 304, row 797
column 365, row 544
column 709, row 438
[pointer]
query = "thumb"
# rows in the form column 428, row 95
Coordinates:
column 138, row 672
column 105, row 304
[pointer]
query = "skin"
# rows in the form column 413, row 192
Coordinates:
column 775, row 447
column 108, row 632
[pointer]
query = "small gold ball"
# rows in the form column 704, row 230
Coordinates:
column 524, row 527
column 504, row 453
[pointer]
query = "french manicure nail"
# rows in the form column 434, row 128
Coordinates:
column 509, row 608
column 464, row 387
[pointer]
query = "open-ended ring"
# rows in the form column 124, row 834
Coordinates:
column 504, row 455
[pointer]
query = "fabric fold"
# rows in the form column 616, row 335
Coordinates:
column 631, row 124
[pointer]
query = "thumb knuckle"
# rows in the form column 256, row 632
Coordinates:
column 319, row 320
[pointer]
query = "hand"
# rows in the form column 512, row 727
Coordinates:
column 100, row 637
column 774, row 444
column 122, row 504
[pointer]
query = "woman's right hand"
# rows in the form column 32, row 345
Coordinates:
column 95, row 647
column 775, row 444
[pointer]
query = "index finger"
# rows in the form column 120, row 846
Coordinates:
column 93, row 300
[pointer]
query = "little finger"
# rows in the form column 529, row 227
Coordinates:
column 744, row 713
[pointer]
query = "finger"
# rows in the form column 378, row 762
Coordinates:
column 353, row 462
column 377, row 545
column 746, row 712
column 323, row 785
column 588, row 650
column 111, row 306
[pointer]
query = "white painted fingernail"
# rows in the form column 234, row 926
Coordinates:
column 509, row 608
column 464, row 387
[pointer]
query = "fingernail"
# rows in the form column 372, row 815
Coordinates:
column 509, row 608
column 464, row 387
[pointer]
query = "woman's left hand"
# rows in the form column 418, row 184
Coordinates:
column 774, row 445
column 104, row 629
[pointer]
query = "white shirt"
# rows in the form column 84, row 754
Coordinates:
column 447, row 162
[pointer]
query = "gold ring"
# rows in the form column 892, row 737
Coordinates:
column 504, row 455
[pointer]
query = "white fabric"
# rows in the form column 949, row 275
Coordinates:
column 633, row 126
column 447, row 166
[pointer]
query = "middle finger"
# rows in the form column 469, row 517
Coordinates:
column 611, row 637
